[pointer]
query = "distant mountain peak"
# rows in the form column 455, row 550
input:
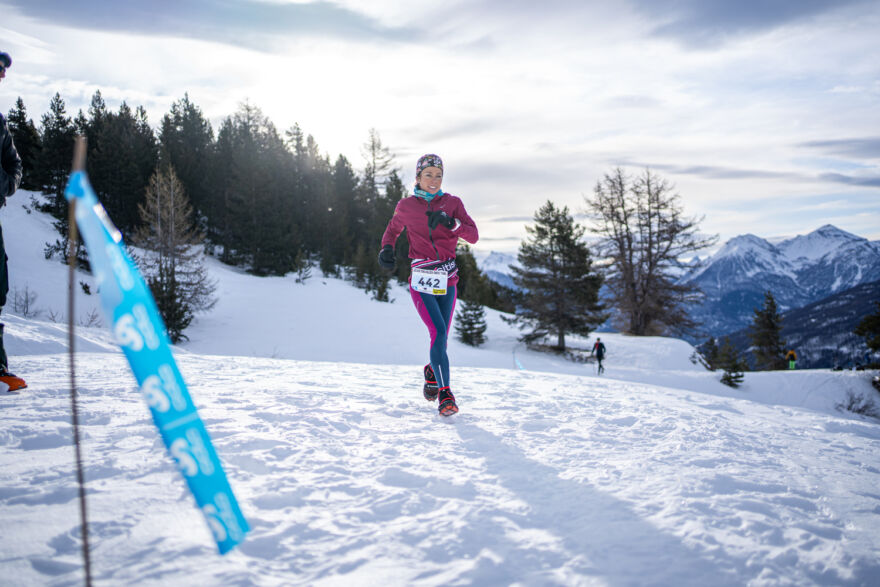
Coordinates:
column 749, row 238
column 831, row 230
column 498, row 261
column 815, row 245
column 744, row 244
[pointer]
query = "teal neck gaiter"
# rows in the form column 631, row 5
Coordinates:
column 427, row 196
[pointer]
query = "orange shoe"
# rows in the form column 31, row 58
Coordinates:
column 12, row 382
column 447, row 405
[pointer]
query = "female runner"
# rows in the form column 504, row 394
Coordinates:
column 434, row 221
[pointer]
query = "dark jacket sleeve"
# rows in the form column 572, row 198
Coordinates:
column 10, row 163
column 395, row 226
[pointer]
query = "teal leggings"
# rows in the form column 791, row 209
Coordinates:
column 436, row 312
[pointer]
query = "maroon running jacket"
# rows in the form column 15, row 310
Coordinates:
column 438, row 244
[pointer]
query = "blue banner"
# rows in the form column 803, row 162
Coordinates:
column 139, row 330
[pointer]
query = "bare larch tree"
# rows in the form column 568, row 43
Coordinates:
column 172, row 257
column 645, row 238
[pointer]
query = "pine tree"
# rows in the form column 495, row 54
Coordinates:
column 379, row 165
column 51, row 172
column 309, row 185
column 470, row 326
column 172, row 263
column 92, row 125
column 341, row 223
column 360, row 265
column 122, row 158
column 55, row 158
column 765, row 334
column 560, row 288
column 733, row 365
column 186, row 140
column 869, row 328
column 27, row 143
column 376, row 196
column 710, row 352
column 255, row 216
column 303, row 267
column 377, row 282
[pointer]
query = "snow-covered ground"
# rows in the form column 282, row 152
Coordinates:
column 653, row 474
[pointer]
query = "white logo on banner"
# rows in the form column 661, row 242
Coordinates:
column 146, row 326
column 182, row 453
column 191, row 454
column 127, row 334
column 154, row 395
column 214, row 522
column 169, row 383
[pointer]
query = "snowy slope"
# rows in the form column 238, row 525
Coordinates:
column 653, row 474
column 25, row 235
column 543, row 479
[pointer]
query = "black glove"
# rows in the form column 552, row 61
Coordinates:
column 438, row 217
column 386, row 257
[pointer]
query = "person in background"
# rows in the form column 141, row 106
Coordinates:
column 599, row 351
column 10, row 179
column 434, row 221
column 791, row 357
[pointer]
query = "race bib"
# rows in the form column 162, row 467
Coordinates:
column 429, row 281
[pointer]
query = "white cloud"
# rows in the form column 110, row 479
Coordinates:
column 526, row 103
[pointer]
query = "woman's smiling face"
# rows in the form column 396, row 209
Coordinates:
column 430, row 179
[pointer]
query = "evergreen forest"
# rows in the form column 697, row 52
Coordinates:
column 265, row 200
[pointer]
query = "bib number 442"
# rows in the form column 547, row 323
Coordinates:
column 429, row 282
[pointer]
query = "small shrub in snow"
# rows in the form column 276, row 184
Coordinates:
column 93, row 318
column 24, row 302
column 578, row 355
column 859, row 404
column 303, row 268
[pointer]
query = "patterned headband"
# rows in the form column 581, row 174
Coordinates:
column 429, row 160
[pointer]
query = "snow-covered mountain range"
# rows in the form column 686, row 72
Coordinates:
column 798, row 271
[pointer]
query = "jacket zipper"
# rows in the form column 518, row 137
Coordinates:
column 431, row 234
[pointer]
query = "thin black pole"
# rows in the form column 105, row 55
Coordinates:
column 79, row 160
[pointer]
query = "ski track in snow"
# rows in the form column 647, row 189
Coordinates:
column 541, row 479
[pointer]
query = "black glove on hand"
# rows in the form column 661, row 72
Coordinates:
column 386, row 257
column 439, row 217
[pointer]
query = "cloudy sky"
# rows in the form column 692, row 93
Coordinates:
column 765, row 114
